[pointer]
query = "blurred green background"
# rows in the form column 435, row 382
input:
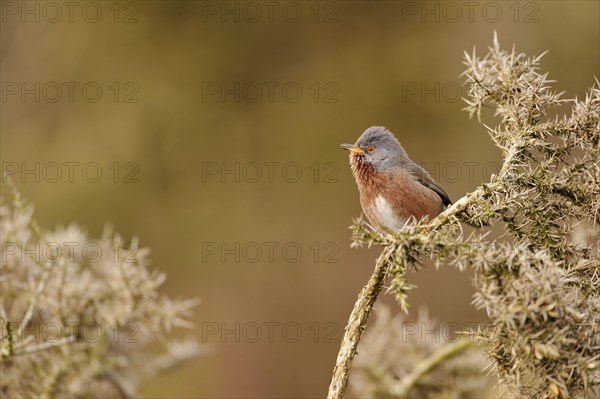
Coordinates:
column 170, row 114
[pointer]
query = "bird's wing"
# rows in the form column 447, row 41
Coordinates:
column 425, row 179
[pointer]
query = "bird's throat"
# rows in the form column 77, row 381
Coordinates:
column 364, row 172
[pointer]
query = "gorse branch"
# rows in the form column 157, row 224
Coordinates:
column 540, row 286
column 76, row 323
column 356, row 325
column 418, row 360
column 403, row 387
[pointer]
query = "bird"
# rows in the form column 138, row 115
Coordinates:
column 392, row 187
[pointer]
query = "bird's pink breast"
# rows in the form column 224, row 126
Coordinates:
column 397, row 191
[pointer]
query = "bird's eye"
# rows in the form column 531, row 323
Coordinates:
column 370, row 149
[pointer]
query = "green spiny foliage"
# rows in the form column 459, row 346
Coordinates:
column 539, row 283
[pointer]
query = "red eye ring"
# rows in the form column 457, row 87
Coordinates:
column 370, row 149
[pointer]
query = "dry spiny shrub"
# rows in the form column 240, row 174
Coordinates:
column 80, row 317
column 421, row 359
column 540, row 281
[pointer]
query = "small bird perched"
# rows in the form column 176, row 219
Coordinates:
column 392, row 187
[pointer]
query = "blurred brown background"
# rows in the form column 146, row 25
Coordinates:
column 170, row 118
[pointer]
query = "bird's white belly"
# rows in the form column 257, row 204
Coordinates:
column 386, row 214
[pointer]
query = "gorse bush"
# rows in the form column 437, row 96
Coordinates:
column 540, row 282
column 80, row 317
column 429, row 366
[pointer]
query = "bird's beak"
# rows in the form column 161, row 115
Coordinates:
column 353, row 148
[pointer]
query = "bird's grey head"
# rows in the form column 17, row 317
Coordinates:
column 380, row 148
